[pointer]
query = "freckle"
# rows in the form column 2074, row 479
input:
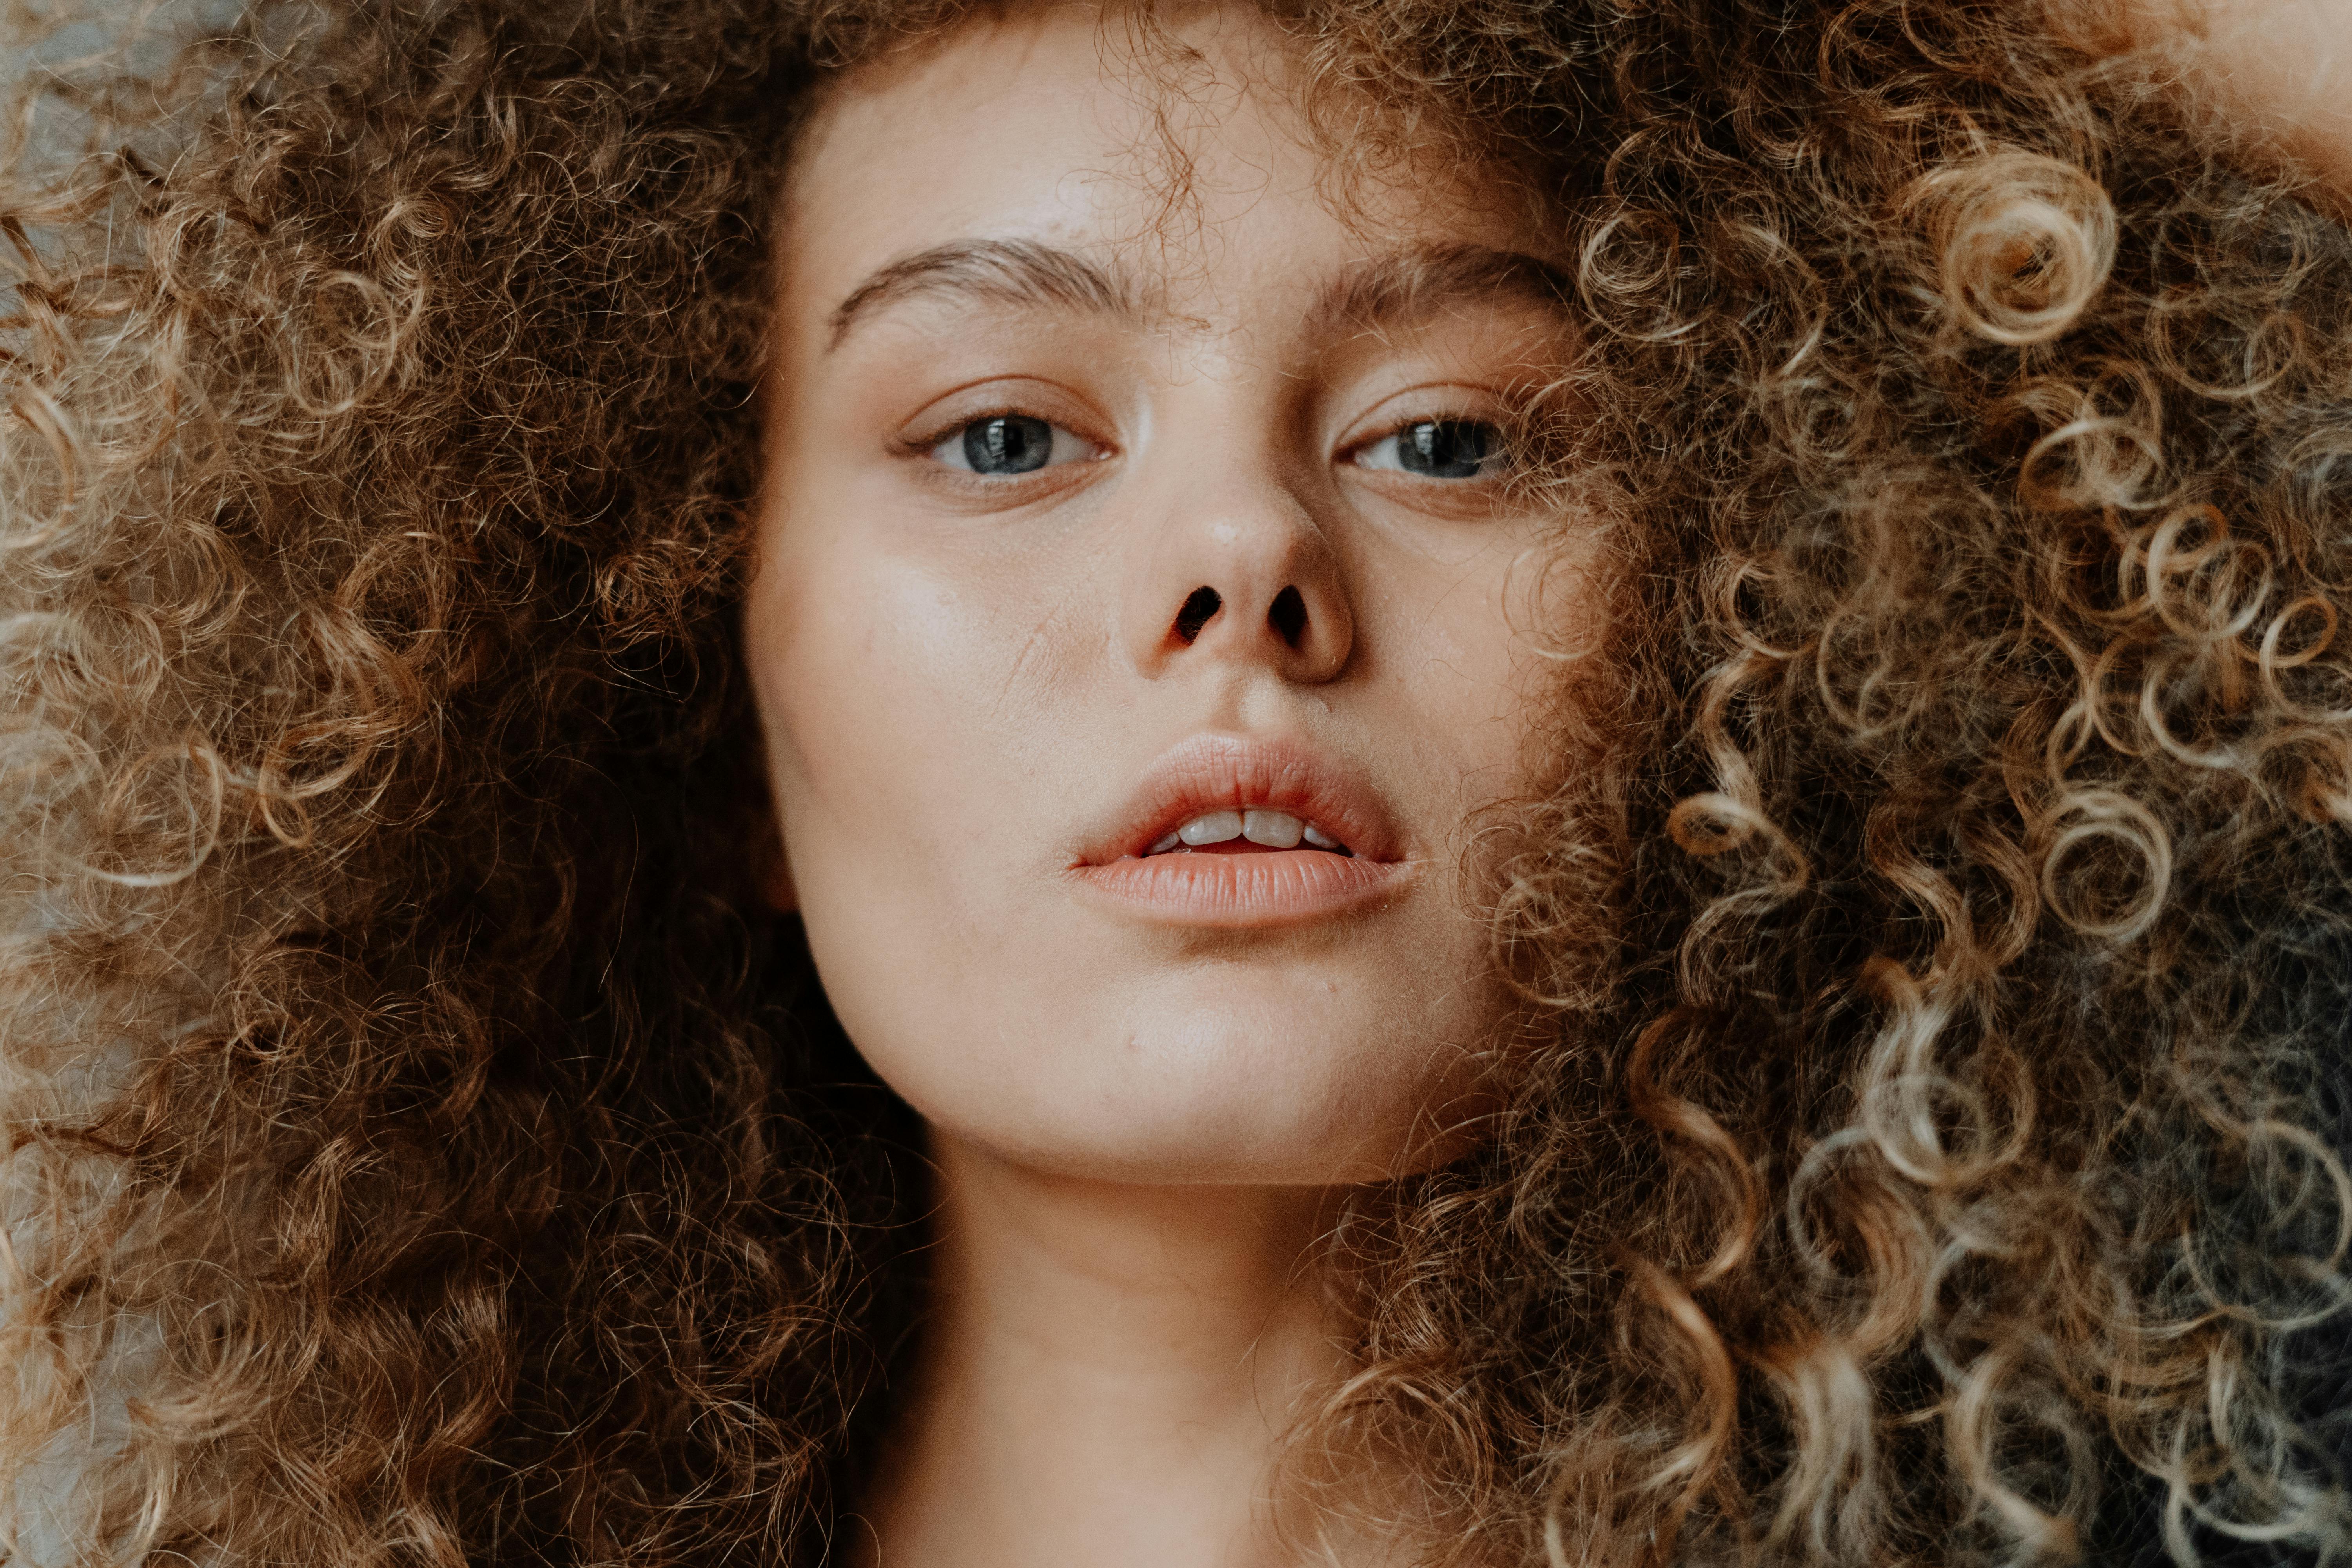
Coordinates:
column 1332, row 986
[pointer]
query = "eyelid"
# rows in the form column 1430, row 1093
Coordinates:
column 993, row 398
column 1096, row 451
column 1449, row 399
column 927, row 437
column 1390, row 429
column 1493, row 466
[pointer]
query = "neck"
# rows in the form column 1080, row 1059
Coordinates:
column 1107, row 1372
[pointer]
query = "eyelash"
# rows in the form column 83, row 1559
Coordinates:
column 925, row 445
column 1498, row 451
column 928, row 446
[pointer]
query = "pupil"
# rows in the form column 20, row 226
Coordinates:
column 1007, row 444
column 1446, row 448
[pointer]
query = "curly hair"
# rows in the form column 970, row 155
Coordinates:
column 1934, row 932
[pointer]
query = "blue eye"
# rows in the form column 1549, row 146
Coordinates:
column 1439, row 449
column 1006, row 446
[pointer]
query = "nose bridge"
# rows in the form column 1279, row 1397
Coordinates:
column 1238, row 569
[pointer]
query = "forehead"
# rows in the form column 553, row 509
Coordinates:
column 1174, row 152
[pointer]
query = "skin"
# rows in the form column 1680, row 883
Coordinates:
column 2275, row 76
column 1138, row 1121
column 1140, row 1125
column 1020, row 635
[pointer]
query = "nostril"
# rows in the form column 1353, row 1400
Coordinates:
column 1199, row 607
column 1287, row 615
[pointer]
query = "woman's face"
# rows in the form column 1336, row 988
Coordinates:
column 1127, row 496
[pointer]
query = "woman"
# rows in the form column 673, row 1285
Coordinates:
column 1466, row 783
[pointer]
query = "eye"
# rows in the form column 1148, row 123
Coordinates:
column 1006, row 446
column 1439, row 449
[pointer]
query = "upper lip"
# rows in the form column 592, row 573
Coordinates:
column 1232, row 772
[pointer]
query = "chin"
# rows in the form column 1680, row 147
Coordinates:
column 1256, row 1095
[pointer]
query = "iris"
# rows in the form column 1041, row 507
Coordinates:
column 1447, row 448
column 1007, row 444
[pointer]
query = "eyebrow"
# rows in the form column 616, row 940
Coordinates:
column 1414, row 285
column 1403, row 286
column 997, row 271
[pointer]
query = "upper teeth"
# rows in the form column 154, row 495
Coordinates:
column 1275, row 829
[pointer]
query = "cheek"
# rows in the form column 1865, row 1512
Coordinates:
column 937, row 715
column 833, row 641
column 890, row 684
column 1466, row 668
column 815, row 637
column 858, row 684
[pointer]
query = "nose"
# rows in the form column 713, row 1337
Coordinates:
column 1239, row 574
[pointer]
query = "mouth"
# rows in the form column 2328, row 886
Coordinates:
column 1233, row 833
column 1253, row 831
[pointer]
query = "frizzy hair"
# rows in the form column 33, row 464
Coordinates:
column 1933, row 927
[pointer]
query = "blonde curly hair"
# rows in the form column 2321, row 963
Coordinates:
column 1935, row 944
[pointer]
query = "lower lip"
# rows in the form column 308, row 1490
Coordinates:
column 1281, row 886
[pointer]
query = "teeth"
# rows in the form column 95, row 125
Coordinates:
column 1275, row 829
column 1213, row 828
